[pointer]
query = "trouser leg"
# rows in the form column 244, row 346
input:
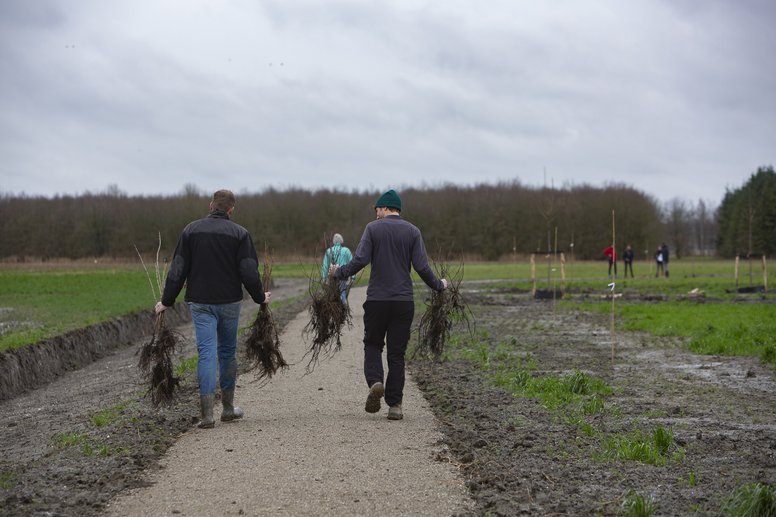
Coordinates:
column 375, row 326
column 205, row 327
column 228, row 320
column 398, row 335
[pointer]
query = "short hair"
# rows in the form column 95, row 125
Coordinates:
column 223, row 200
column 337, row 239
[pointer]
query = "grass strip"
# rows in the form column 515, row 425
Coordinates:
column 745, row 329
column 751, row 500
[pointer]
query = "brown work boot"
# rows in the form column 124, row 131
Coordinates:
column 373, row 399
column 394, row 412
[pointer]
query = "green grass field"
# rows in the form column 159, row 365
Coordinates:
column 37, row 303
column 745, row 329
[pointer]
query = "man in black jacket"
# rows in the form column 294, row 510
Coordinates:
column 664, row 252
column 215, row 258
column 392, row 245
column 627, row 257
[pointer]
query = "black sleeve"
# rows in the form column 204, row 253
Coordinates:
column 178, row 272
column 248, row 264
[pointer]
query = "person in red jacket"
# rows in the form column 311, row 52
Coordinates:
column 611, row 254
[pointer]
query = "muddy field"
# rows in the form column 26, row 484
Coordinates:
column 520, row 458
column 59, row 457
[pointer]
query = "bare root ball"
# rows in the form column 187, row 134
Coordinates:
column 262, row 347
column 328, row 317
column 443, row 310
column 156, row 362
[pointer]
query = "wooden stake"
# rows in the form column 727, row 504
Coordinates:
column 736, row 272
column 562, row 273
column 533, row 275
column 765, row 275
column 554, row 259
column 614, row 259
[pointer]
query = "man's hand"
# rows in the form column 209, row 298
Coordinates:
column 445, row 284
column 267, row 296
column 160, row 307
column 332, row 269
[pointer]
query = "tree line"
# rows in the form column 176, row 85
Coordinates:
column 487, row 222
column 747, row 217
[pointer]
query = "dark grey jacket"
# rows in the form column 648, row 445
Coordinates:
column 214, row 257
column 392, row 245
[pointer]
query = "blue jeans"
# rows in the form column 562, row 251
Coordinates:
column 216, row 329
column 344, row 292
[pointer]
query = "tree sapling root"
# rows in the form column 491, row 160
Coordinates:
column 328, row 316
column 443, row 310
column 156, row 364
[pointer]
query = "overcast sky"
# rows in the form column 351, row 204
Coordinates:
column 674, row 97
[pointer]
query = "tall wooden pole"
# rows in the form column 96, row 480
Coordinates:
column 554, row 260
column 614, row 259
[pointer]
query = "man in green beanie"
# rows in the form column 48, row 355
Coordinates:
column 391, row 245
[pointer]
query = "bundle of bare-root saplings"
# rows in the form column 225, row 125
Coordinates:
column 328, row 317
column 156, row 356
column 262, row 346
column 444, row 309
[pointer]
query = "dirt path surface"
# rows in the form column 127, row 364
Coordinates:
column 307, row 447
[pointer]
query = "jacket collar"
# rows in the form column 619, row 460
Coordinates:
column 219, row 214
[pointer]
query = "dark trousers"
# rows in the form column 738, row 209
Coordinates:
column 628, row 264
column 387, row 323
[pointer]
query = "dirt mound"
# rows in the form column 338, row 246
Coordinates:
column 35, row 365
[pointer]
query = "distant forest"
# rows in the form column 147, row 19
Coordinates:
column 488, row 222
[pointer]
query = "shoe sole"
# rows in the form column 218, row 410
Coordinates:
column 373, row 399
column 394, row 416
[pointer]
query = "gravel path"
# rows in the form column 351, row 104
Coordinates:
column 306, row 447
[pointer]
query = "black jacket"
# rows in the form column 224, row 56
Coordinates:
column 214, row 257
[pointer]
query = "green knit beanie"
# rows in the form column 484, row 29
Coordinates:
column 389, row 200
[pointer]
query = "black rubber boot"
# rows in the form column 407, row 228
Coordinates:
column 231, row 412
column 206, row 408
